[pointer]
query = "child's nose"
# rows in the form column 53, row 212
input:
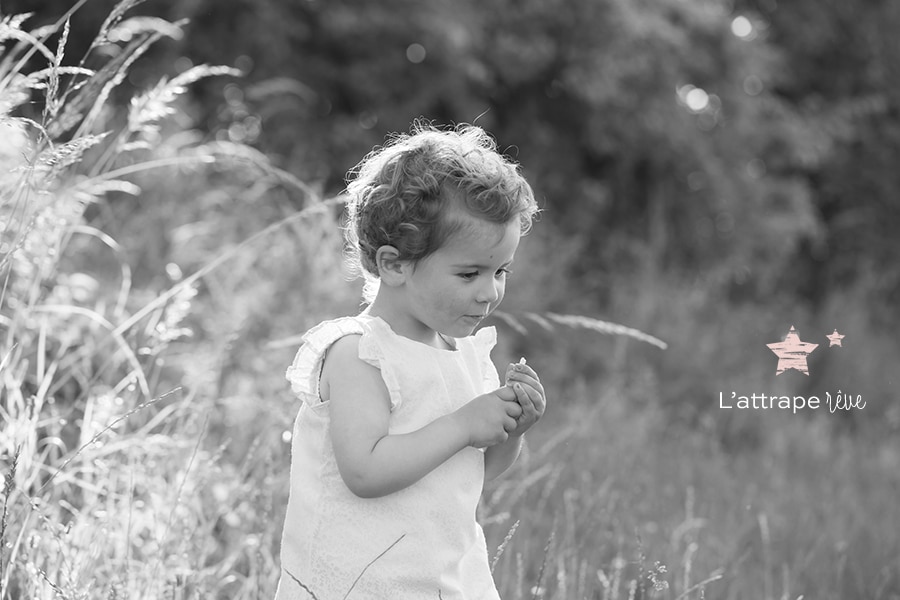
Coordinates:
column 490, row 291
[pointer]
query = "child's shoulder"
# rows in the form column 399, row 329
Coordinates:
column 344, row 350
column 337, row 341
column 343, row 361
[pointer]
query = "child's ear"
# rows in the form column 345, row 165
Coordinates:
column 391, row 268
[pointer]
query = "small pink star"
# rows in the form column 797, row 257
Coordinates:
column 835, row 339
column 792, row 353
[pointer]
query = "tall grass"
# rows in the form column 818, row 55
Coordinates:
column 111, row 487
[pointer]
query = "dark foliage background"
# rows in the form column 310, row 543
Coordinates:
column 773, row 202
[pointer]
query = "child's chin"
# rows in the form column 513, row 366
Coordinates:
column 469, row 325
column 461, row 330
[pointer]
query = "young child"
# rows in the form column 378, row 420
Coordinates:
column 403, row 416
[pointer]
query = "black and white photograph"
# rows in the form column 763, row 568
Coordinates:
column 449, row 300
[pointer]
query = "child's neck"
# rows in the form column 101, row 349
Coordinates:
column 403, row 322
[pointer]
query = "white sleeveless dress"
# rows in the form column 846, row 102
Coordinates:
column 331, row 535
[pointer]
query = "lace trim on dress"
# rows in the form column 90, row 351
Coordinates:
column 484, row 341
column 373, row 352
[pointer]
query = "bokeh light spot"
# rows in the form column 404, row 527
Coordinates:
column 756, row 168
column 415, row 53
column 742, row 27
column 696, row 99
column 753, row 85
column 183, row 63
column 368, row 120
column 244, row 63
column 174, row 271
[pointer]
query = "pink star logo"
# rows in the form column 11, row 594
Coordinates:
column 835, row 339
column 792, row 353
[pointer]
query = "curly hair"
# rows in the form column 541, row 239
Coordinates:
column 404, row 193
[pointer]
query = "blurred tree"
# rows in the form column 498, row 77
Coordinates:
column 593, row 97
column 647, row 127
column 678, row 137
column 841, row 72
column 697, row 158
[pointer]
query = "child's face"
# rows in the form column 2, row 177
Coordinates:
column 454, row 288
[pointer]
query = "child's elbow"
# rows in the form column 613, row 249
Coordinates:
column 367, row 492
column 363, row 486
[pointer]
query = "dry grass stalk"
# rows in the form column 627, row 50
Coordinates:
column 503, row 544
column 149, row 108
column 366, row 568
column 301, row 584
column 113, row 19
column 548, row 320
column 9, row 484
column 538, row 590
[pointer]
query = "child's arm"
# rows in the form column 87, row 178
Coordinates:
column 373, row 463
column 500, row 457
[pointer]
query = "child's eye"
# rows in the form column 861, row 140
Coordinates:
column 469, row 276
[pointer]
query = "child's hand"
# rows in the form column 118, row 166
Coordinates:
column 529, row 395
column 489, row 417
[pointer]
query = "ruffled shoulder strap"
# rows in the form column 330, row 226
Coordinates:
column 483, row 342
column 304, row 372
column 376, row 346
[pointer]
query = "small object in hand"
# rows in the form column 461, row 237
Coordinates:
column 521, row 362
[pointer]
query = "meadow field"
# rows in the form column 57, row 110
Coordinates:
column 156, row 279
